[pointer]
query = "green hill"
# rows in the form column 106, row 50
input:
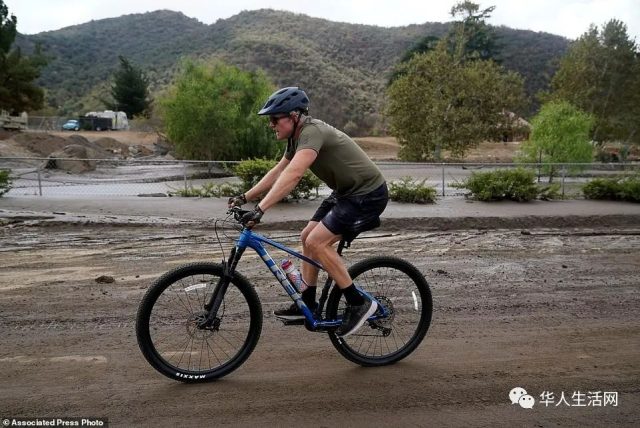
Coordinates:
column 344, row 67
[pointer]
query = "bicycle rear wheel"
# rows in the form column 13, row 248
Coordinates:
column 167, row 324
column 403, row 290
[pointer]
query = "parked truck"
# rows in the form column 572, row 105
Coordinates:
column 95, row 123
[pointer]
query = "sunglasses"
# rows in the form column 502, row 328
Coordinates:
column 275, row 119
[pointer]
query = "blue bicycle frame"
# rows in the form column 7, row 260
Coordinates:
column 255, row 241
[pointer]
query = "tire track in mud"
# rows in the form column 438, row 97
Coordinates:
column 545, row 309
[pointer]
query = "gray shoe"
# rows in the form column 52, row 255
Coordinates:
column 289, row 313
column 355, row 316
column 292, row 312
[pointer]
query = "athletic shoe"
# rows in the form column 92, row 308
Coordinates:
column 291, row 313
column 355, row 316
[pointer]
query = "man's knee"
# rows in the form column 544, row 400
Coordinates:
column 320, row 239
column 304, row 235
column 313, row 244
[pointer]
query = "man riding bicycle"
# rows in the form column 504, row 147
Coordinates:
column 359, row 197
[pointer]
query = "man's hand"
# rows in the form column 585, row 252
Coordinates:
column 252, row 217
column 237, row 201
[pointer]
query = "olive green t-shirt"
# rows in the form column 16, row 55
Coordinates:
column 341, row 163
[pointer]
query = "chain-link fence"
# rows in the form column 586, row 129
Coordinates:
column 47, row 123
column 51, row 177
column 54, row 123
column 57, row 177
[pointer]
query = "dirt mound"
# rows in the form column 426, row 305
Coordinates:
column 41, row 144
column 6, row 134
column 38, row 144
column 97, row 150
column 112, row 145
column 122, row 150
column 68, row 159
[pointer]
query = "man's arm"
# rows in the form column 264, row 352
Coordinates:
column 289, row 178
column 267, row 181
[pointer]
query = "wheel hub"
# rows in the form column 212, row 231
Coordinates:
column 386, row 322
column 199, row 322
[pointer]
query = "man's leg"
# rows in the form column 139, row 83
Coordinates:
column 319, row 245
column 309, row 271
column 320, row 241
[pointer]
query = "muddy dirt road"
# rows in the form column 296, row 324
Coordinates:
column 550, row 310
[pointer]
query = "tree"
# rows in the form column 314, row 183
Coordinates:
column 468, row 39
column 600, row 74
column 471, row 38
column 130, row 90
column 560, row 135
column 18, row 92
column 440, row 104
column 210, row 113
column 7, row 28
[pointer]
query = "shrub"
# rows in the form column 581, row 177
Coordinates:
column 251, row 171
column 5, row 181
column 631, row 189
column 510, row 184
column 601, row 188
column 408, row 190
column 615, row 189
column 549, row 192
column 209, row 190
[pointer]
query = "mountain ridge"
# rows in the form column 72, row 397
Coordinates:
column 344, row 67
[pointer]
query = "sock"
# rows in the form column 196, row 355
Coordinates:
column 354, row 298
column 309, row 296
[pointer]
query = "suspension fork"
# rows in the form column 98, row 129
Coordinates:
column 213, row 305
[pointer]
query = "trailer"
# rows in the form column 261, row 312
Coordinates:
column 118, row 119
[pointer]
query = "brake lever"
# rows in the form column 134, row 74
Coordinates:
column 237, row 213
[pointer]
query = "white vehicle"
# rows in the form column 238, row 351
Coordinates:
column 13, row 122
column 118, row 118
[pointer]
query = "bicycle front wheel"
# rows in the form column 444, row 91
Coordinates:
column 169, row 314
column 402, row 289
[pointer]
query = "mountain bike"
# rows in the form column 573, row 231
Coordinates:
column 201, row 321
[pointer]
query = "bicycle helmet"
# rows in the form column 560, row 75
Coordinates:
column 286, row 100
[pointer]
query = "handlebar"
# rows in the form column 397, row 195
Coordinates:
column 237, row 213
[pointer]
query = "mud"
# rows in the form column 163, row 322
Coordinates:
column 543, row 309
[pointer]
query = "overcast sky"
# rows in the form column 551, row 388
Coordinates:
column 569, row 18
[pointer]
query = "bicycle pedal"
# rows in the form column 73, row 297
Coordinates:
column 292, row 322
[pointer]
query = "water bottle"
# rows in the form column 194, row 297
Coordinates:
column 294, row 275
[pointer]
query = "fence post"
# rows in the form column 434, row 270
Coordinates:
column 564, row 167
column 443, row 179
column 184, row 173
column 39, row 182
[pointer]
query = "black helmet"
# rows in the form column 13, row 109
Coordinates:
column 286, row 100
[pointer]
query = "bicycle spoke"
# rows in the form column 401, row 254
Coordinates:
column 398, row 292
column 175, row 318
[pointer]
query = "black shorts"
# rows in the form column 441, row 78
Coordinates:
column 350, row 215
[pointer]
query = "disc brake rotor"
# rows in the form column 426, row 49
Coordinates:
column 386, row 322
